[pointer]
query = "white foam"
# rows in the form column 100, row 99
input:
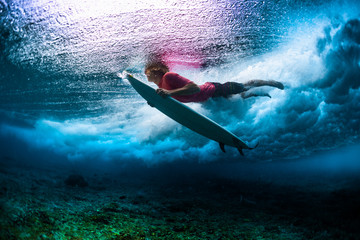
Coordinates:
column 287, row 125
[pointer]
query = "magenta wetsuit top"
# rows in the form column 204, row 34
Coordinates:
column 173, row 80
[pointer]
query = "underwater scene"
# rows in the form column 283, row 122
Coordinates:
column 84, row 156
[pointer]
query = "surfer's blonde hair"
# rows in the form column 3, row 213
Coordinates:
column 156, row 67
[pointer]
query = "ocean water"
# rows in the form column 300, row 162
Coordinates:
column 59, row 89
column 62, row 106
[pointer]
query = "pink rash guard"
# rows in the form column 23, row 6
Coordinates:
column 173, row 80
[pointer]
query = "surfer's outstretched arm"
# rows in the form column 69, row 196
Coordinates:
column 188, row 89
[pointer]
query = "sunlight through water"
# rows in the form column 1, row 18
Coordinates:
column 60, row 61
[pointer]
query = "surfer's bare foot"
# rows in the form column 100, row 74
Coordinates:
column 248, row 95
column 276, row 84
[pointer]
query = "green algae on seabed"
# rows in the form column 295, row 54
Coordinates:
column 33, row 208
column 60, row 224
column 123, row 220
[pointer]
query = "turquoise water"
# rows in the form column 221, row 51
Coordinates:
column 60, row 94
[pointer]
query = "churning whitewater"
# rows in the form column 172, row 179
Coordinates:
column 60, row 92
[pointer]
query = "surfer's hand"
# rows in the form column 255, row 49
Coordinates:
column 163, row 92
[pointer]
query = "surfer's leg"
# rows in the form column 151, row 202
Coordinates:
column 227, row 89
column 245, row 95
column 259, row 83
column 234, row 87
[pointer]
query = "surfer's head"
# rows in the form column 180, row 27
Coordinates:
column 155, row 71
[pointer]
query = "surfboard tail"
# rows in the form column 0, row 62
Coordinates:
column 240, row 146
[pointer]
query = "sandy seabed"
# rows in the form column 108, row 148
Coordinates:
column 163, row 203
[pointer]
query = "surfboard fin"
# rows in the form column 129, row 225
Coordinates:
column 222, row 146
column 240, row 151
column 239, row 148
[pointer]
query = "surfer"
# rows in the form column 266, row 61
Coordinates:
column 185, row 90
